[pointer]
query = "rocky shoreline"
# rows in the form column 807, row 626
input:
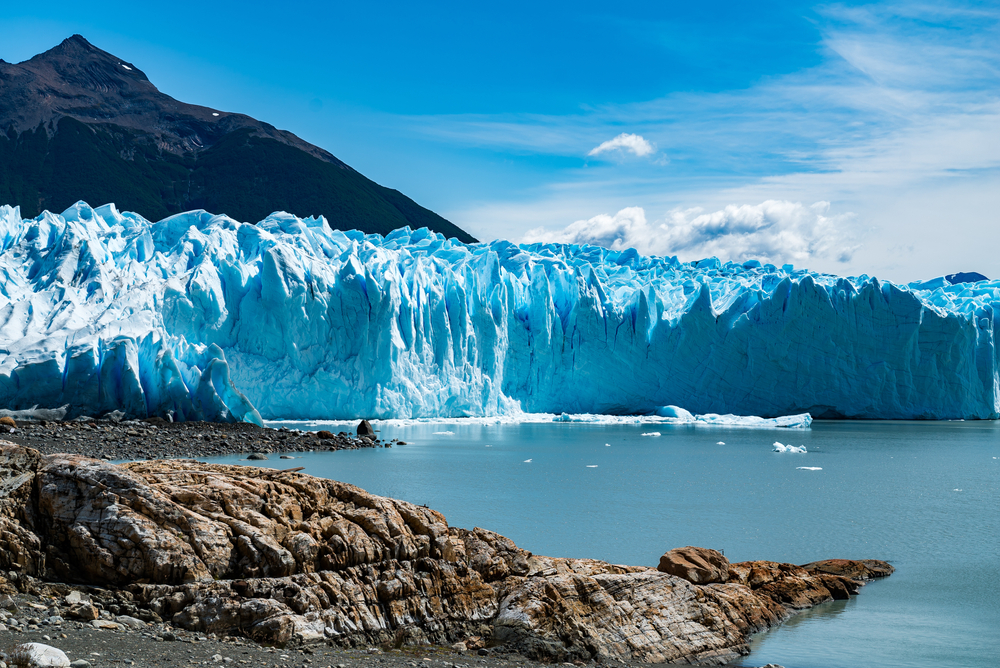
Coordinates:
column 155, row 438
column 257, row 557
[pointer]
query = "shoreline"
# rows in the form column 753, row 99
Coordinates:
column 155, row 438
column 288, row 562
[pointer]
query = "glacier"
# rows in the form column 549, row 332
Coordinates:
column 199, row 316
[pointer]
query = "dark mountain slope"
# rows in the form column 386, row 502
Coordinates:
column 78, row 123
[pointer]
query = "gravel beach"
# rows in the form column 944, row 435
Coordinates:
column 155, row 438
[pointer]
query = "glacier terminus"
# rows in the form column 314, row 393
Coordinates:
column 198, row 316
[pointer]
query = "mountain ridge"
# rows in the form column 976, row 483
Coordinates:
column 78, row 123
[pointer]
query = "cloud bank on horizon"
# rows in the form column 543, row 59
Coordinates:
column 776, row 232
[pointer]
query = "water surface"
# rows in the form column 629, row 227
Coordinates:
column 920, row 495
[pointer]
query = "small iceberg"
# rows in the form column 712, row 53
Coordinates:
column 808, row 468
column 801, row 421
column 779, row 447
column 721, row 443
column 675, row 412
column 591, row 466
column 527, row 461
column 651, row 433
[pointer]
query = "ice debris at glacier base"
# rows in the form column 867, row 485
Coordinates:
column 199, row 316
column 801, row 421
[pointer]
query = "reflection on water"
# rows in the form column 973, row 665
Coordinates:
column 885, row 491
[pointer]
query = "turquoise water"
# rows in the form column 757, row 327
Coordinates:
column 920, row 495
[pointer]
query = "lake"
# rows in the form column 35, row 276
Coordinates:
column 922, row 495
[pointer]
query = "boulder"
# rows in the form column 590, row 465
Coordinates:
column 257, row 456
column 8, row 421
column 698, row 565
column 861, row 570
column 325, row 435
column 365, row 429
column 83, row 611
column 45, row 656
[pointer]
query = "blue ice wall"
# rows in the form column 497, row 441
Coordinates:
column 201, row 317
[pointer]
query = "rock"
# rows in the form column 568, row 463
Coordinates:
column 45, row 656
column 79, row 663
column 130, row 622
column 8, row 422
column 257, row 456
column 864, row 569
column 324, row 435
column 83, row 611
column 698, row 565
column 283, row 557
column 365, row 429
column 73, row 598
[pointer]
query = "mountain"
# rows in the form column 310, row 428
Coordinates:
column 78, row 123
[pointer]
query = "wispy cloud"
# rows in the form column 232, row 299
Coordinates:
column 625, row 142
column 773, row 231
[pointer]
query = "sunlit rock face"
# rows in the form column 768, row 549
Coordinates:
column 281, row 556
column 200, row 317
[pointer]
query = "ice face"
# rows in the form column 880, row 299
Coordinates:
column 199, row 316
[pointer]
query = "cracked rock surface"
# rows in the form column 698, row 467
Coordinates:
column 284, row 557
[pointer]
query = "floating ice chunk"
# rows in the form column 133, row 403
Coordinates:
column 799, row 421
column 721, row 443
column 778, row 447
column 809, row 468
column 651, row 433
column 591, row 466
column 444, row 433
column 527, row 461
column 674, row 412
column 608, row 445
column 956, row 490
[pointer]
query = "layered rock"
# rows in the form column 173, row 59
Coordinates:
column 284, row 557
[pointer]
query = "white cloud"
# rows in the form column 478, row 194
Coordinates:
column 632, row 143
column 774, row 231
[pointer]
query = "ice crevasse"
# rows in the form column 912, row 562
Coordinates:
column 199, row 316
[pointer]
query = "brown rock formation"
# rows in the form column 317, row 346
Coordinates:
column 699, row 565
column 283, row 556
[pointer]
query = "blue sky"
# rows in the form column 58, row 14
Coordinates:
column 850, row 138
